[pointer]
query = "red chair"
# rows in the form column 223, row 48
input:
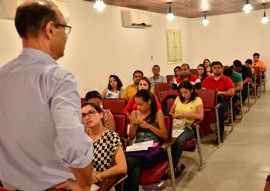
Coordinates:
column 169, row 78
column 160, row 87
column 210, row 106
column 165, row 94
column 4, row 189
column 121, row 123
column 82, row 100
column 115, row 105
column 194, row 72
column 152, row 175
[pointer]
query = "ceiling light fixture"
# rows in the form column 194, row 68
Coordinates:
column 170, row 15
column 264, row 19
column 99, row 5
column 205, row 20
column 247, row 8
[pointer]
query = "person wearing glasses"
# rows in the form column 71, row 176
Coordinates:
column 109, row 158
column 43, row 143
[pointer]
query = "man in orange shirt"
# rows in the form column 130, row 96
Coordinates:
column 258, row 63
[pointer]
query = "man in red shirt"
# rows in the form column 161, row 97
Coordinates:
column 185, row 75
column 225, row 87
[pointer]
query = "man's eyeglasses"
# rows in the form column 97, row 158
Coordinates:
column 67, row 28
column 89, row 114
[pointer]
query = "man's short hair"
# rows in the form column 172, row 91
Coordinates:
column 256, row 54
column 185, row 64
column 216, row 63
column 156, row 66
column 237, row 63
column 31, row 18
column 137, row 71
column 228, row 72
column 249, row 61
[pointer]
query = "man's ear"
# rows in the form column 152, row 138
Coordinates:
column 49, row 29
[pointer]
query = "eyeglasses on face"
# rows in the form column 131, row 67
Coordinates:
column 89, row 114
column 67, row 28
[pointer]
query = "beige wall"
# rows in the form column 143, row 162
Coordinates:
column 99, row 46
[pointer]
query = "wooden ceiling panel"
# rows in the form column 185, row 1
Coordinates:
column 189, row 8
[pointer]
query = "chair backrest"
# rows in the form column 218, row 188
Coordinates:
column 121, row 123
column 165, row 94
column 194, row 72
column 257, row 71
column 82, row 100
column 4, row 189
column 169, row 78
column 169, row 122
column 160, row 87
column 114, row 105
column 209, row 98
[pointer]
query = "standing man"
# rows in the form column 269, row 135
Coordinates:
column 42, row 141
column 186, row 75
column 156, row 78
column 258, row 63
column 132, row 89
column 225, row 87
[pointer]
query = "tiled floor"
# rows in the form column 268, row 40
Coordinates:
column 243, row 161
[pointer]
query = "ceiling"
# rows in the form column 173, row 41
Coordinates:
column 189, row 8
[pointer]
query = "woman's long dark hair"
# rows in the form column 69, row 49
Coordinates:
column 187, row 85
column 177, row 67
column 204, row 72
column 119, row 82
column 146, row 95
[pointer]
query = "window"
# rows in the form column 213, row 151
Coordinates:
column 174, row 46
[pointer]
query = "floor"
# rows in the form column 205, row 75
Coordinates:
column 241, row 163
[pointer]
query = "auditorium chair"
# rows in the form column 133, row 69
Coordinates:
column 115, row 105
column 152, row 175
column 160, row 87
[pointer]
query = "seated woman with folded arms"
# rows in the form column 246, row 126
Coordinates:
column 95, row 97
column 109, row 158
column 146, row 123
column 114, row 89
column 145, row 84
column 188, row 107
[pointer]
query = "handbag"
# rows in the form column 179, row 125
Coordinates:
column 178, row 123
column 146, row 155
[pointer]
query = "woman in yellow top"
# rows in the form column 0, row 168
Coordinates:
column 188, row 107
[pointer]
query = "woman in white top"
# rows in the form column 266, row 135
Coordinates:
column 114, row 89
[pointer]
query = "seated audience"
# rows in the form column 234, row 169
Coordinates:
column 187, row 107
column 95, row 97
column 246, row 75
column 225, row 87
column 207, row 64
column 202, row 73
column 238, row 86
column 114, row 89
column 146, row 123
column 131, row 89
column 109, row 158
column 156, row 78
column 185, row 75
column 144, row 83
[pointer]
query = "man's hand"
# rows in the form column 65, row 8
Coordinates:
column 72, row 185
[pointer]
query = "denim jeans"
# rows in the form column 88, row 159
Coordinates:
column 221, row 111
column 178, row 146
column 134, row 169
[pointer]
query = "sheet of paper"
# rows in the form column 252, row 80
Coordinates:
column 140, row 146
column 94, row 187
column 177, row 132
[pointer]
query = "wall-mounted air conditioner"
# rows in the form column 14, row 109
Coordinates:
column 8, row 8
column 136, row 19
